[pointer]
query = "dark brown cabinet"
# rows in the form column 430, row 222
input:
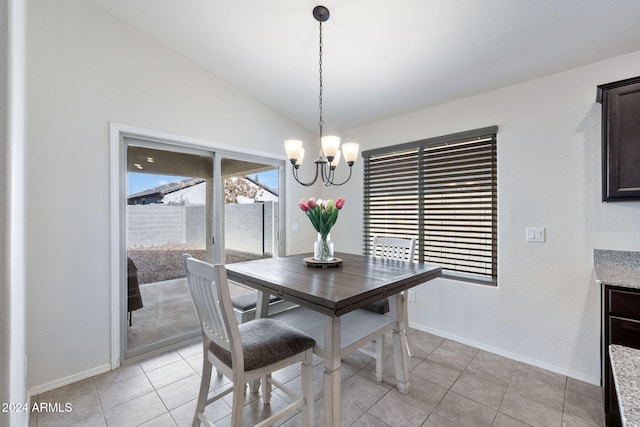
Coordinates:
column 620, row 140
column 620, row 325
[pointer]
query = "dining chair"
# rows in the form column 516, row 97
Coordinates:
column 396, row 249
column 247, row 352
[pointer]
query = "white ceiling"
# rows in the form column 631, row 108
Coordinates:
column 384, row 58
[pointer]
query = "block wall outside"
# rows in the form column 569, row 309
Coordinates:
column 249, row 227
column 155, row 225
column 195, row 217
column 245, row 231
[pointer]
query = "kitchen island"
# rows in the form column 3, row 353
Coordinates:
column 625, row 364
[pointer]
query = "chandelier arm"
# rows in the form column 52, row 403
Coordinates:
column 325, row 173
column 341, row 183
column 306, row 184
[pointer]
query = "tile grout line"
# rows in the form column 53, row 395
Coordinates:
column 104, row 417
column 155, row 390
column 513, row 374
column 186, row 403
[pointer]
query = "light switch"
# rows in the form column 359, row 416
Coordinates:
column 294, row 226
column 535, row 235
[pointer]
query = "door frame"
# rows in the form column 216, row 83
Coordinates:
column 118, row 191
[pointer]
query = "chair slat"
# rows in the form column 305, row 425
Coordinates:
column 394, row 248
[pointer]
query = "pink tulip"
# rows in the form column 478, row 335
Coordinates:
column 304, row 205
column 312, row 203
column 339, row 203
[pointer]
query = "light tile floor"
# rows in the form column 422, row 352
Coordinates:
column 451, row 385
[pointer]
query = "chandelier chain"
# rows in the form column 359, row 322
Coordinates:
column 321, row 122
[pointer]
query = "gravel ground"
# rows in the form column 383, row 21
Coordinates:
column 159, row 263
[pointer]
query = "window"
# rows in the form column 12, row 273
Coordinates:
column 442, row 192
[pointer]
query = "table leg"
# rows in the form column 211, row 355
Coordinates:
column 396, row 309
column 332, row 362
column 262, row 304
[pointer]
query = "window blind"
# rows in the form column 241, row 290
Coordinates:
column 443, row 193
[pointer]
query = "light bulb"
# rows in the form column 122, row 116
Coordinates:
column 335, row 160
column 350, row 150
column 330, row 146
column 300, row 158
column 293, row 148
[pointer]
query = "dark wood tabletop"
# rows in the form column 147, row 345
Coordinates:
column 358, row 281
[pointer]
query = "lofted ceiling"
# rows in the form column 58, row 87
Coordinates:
column 383, row 58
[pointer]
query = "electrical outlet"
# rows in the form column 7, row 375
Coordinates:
column 411, row 296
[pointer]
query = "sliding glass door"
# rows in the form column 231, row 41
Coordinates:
column 221, row 207
column 169, row 211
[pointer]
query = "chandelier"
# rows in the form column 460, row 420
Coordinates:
column 330, row 152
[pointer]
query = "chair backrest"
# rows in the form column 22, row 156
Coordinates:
column 394, row 248
column 211, row 298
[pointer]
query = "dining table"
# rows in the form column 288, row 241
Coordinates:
column 331, row 297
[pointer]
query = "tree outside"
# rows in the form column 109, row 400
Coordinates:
column 237, row 186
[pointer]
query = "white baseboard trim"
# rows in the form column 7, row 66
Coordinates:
column 507, row 354
column 69, row 380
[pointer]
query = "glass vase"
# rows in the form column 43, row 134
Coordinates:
column 323, row 248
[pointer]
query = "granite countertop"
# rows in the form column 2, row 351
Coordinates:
column 617, row 268
column 625, row 364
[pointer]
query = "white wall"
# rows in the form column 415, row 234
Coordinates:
column 85, row 70
column 546, row 308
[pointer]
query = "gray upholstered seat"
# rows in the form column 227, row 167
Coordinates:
column 249, row 300
column 245, row 353
column 266, row 341
column 378, row 307
column 244, row 305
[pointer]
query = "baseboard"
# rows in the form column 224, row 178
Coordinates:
column 507, row 354
column 39, row 389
